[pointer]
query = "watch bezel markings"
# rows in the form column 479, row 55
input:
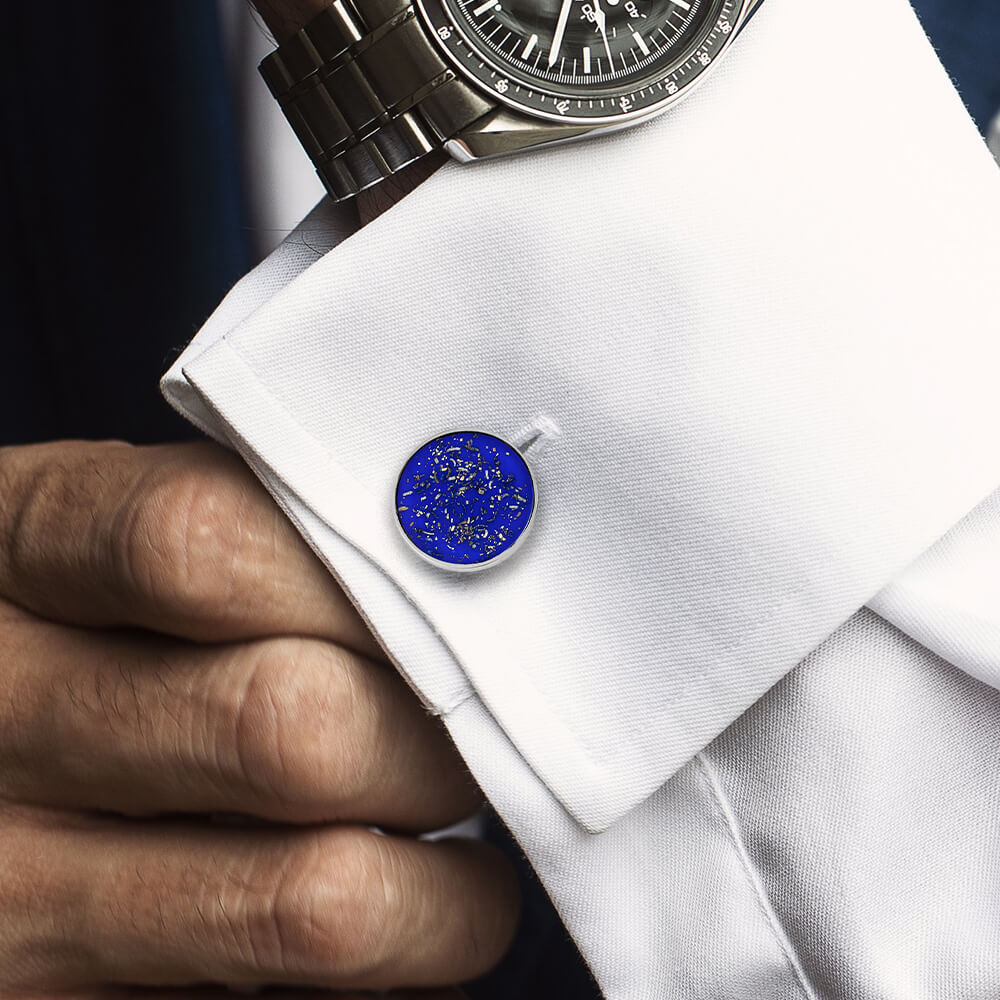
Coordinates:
column 554, row 105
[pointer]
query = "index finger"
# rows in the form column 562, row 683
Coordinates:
column 180, row 539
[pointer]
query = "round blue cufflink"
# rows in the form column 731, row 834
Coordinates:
column 465, row 500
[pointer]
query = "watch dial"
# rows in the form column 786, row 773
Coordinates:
column 584, row 44
column 584, row 58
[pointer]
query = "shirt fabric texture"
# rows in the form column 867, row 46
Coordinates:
column 764, row 399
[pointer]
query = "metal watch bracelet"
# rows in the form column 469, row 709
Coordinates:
column 367, row 92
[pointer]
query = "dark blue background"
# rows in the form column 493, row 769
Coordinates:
column 123, row 223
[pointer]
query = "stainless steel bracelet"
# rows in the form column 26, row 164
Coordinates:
column 367, row 92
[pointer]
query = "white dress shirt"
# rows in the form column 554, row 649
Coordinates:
column 756, row 340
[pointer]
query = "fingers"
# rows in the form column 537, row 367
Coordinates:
column 176, row 538
column 339, row 908
column 291, row 730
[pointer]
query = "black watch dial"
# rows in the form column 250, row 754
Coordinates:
column 584, row 58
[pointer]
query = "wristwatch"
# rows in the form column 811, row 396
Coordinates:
column 369, row 86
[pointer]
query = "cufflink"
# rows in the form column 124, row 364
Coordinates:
column 465, row 500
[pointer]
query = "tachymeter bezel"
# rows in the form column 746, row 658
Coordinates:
column 608, row 105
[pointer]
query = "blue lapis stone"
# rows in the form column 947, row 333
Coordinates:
column 465, row 499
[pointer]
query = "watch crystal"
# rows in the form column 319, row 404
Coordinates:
column 584, row 58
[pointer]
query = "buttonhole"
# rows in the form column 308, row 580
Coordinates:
column 536, row 437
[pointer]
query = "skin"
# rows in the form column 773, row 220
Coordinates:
column 197, row 734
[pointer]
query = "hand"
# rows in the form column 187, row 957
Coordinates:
column 170, row 651
column 601, row 20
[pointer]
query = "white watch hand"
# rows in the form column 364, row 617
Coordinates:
column 601, row 19
column 557, row 38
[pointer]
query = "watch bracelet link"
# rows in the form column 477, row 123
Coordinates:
column 367, row 92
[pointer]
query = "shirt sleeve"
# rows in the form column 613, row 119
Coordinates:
column 757, row 341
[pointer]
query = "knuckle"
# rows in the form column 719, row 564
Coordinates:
column 278, row 922
column 254, row 722
column 354, row 903
column 42, row 493
column 179, row 539
column 294, row 728
column 324, row 915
